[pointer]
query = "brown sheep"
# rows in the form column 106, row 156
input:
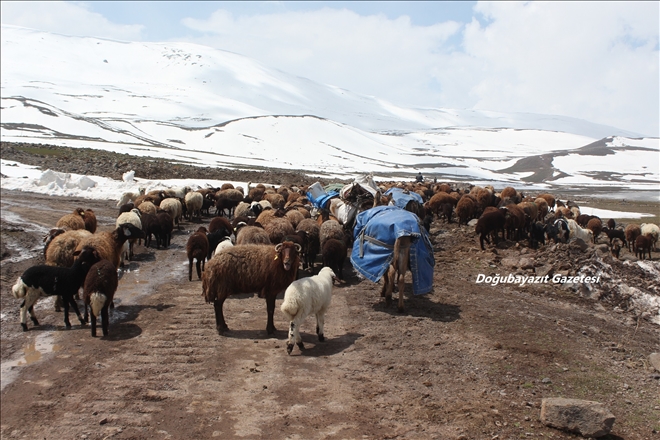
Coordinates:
column 109, row 244
column 98, row 293
column 61, row 248
column 632, row 231
column 278, row 228
column 543, row 208
column 90, row 221
column 197, row 247
column 643, row 244
column 466, row 209
column 509, row 192
column 436, row 203
column 294, row 216
column 596, row 226
column 331, row 229
column 252, row 235
column 550, row 200
column 248, row 269
column 72, row 222
column 514, row 222
column 147, row 207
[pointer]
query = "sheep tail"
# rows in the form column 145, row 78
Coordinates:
column 289, row 308
column 19, row 290
column 97, row 301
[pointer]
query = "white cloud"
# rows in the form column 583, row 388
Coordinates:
column 594, row 60
column 366, row 54
column 591, row 60
column 66, row 18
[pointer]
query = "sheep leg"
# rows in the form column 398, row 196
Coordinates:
column 294, row 337
column 320, row 320
column 402, row 255
column 220, row 324
column 199, row 269
column 270, row 307
column 105, row 318
column 190, row 265
column 93, row 322
column 389, row 285
column 28, row 306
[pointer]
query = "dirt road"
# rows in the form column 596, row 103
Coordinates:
column 468, row 361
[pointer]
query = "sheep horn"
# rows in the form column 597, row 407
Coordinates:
column 298, row 247
column 278, row 247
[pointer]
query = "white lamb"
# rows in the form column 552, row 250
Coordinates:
column 305, row 297
column 224, row 244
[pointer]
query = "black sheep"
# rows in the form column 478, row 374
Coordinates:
column 615, row 233
column 537, row 234
column 333, row 256
column 41, row 281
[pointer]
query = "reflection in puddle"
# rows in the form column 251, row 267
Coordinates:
column 32, row 352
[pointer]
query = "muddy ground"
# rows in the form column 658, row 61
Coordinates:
column 467, row 361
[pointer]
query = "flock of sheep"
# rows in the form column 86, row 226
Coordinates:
column 258, row 238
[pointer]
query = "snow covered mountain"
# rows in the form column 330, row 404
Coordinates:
column 204, row 106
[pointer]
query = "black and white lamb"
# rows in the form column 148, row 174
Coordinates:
column 305, row 297
column 41, row 281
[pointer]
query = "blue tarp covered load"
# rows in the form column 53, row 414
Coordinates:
column 402, row 197
column 319, row 197
column 375, row 232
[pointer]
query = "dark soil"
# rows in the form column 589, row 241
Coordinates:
column 467, row 361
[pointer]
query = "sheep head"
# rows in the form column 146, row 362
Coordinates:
column 288, row 252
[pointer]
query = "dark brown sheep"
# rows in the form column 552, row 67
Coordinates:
column 98, row 293
column 278, row 228
column 643, row 244
column 632, row 231
column 490, row 222
column 312, row 232
column 90, row 220
column 334, row 255
column 197, row 247
column 248, row 269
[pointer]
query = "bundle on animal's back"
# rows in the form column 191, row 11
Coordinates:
column 248, row 269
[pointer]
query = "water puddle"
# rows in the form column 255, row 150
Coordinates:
column 33, row 352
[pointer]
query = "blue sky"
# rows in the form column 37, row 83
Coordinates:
column 596, row 61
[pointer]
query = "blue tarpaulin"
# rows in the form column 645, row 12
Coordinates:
column 401, row 197
column 322, row 200
column 375, row 232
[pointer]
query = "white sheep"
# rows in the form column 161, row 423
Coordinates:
column 133, row 217
column 654, row 230
column 174, row 208
column 194, row 202
column 575, row 231
column 304, row 297
column 130, row 197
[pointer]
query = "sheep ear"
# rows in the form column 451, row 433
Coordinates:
column 76, row 253
column 278, row 247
